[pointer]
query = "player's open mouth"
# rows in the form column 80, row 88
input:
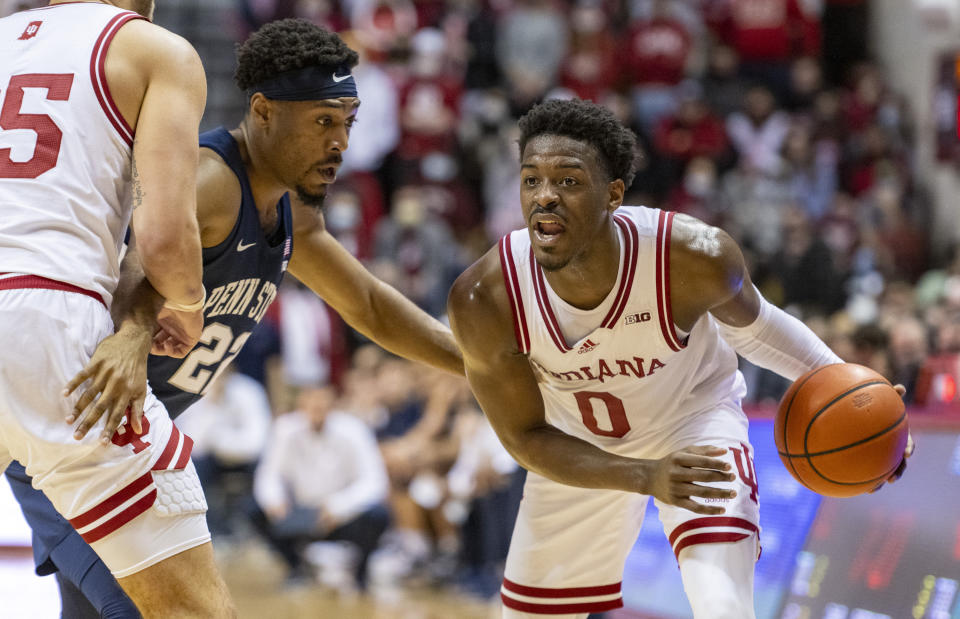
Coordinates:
column 329, row 173
column 548, row 230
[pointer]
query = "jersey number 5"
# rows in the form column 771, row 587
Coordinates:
column 47, row 148
column 223, row 347
column 619, row 425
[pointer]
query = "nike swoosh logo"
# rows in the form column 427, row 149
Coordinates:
column 241, row 246
column 340, row 78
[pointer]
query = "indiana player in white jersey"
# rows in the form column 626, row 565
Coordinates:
column 600, row 343
column 99, row 111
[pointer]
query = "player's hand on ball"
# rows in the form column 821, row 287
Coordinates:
column 907, row 452
column 116, row 381
column 678, row 477
column 178, row 332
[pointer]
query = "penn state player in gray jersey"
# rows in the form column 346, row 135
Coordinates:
column 302, row 104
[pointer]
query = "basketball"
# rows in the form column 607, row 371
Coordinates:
column 841, row 430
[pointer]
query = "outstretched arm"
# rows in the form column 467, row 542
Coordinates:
column 367, row 304
column 506, row 388
column 708, row 274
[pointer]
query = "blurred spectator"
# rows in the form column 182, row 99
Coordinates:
column 485, row 487
column 908, row 351
column 377, row 130
column 417, row 448
column 805, row 267
column 758, row 131
column 321, row 478
column 531, row 46
column 311, row 346
column 229, row 428
column 723, row 87
column 806, row 82
column 812, row 169
column 591, row 70
column 767, row 35
column 697, row 194
column 937, row 381
column 658, row 50
column 416, row 252
column 352, row 217
column 693, row 131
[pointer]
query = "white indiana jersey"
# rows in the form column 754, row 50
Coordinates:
column 621, row 376
column 65, row 150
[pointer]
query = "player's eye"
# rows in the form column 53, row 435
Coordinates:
column 530, row 181
column 568, row 181
column 324, row 121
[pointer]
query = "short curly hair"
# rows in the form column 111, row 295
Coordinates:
column 586, row 122
column 287, row 45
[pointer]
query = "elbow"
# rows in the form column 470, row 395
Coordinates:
column 164, row 247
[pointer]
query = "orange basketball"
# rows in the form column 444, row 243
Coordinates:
column 841, row 429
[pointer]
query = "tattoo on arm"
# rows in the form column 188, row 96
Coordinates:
column 137, row 187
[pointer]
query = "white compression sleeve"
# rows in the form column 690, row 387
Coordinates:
column 779, row 342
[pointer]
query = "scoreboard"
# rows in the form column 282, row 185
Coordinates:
column 894, row 554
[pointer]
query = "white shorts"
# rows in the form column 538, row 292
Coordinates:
column 137, row 500
column 569, row 544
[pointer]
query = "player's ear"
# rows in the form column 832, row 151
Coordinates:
column 261, row 109
column 615, row 191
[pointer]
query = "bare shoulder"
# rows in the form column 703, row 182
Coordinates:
column 150, row 45
column 218, row 198
column 143, row 54
column 706, row 268
column 480, row 314
column 698, row 247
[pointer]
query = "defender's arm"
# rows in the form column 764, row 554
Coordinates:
column 367, row 304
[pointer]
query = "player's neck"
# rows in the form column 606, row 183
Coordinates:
column 588, row 278
column 266, row 189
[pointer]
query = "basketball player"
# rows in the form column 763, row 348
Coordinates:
column 99, row 111
column 600, row 343
column 302, row 102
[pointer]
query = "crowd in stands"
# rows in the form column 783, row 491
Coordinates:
column 765, row 117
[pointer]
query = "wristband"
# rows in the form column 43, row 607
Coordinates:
column 188, row 307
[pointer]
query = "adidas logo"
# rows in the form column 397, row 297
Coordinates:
column 586, row 347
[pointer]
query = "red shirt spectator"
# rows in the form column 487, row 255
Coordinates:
column 657, row 51
column 591, row 70
column 775, row 30
column 692, row 132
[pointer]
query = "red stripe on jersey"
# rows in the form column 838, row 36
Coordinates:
column 711, row 521
column 141, row 505
column 631, row 239
column 546, row 311
column 512, row 284
column 184, row 453
column 105, row 507
column 561, row 592
column 561, row 609
column 169, row 451
column 98, row 75
column 21, row 282
column 664, row 230
column 707, row 538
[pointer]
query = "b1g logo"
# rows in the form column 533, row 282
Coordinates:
column 30, row 31
column 632, row 319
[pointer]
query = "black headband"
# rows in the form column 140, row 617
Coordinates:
column 307, row 84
